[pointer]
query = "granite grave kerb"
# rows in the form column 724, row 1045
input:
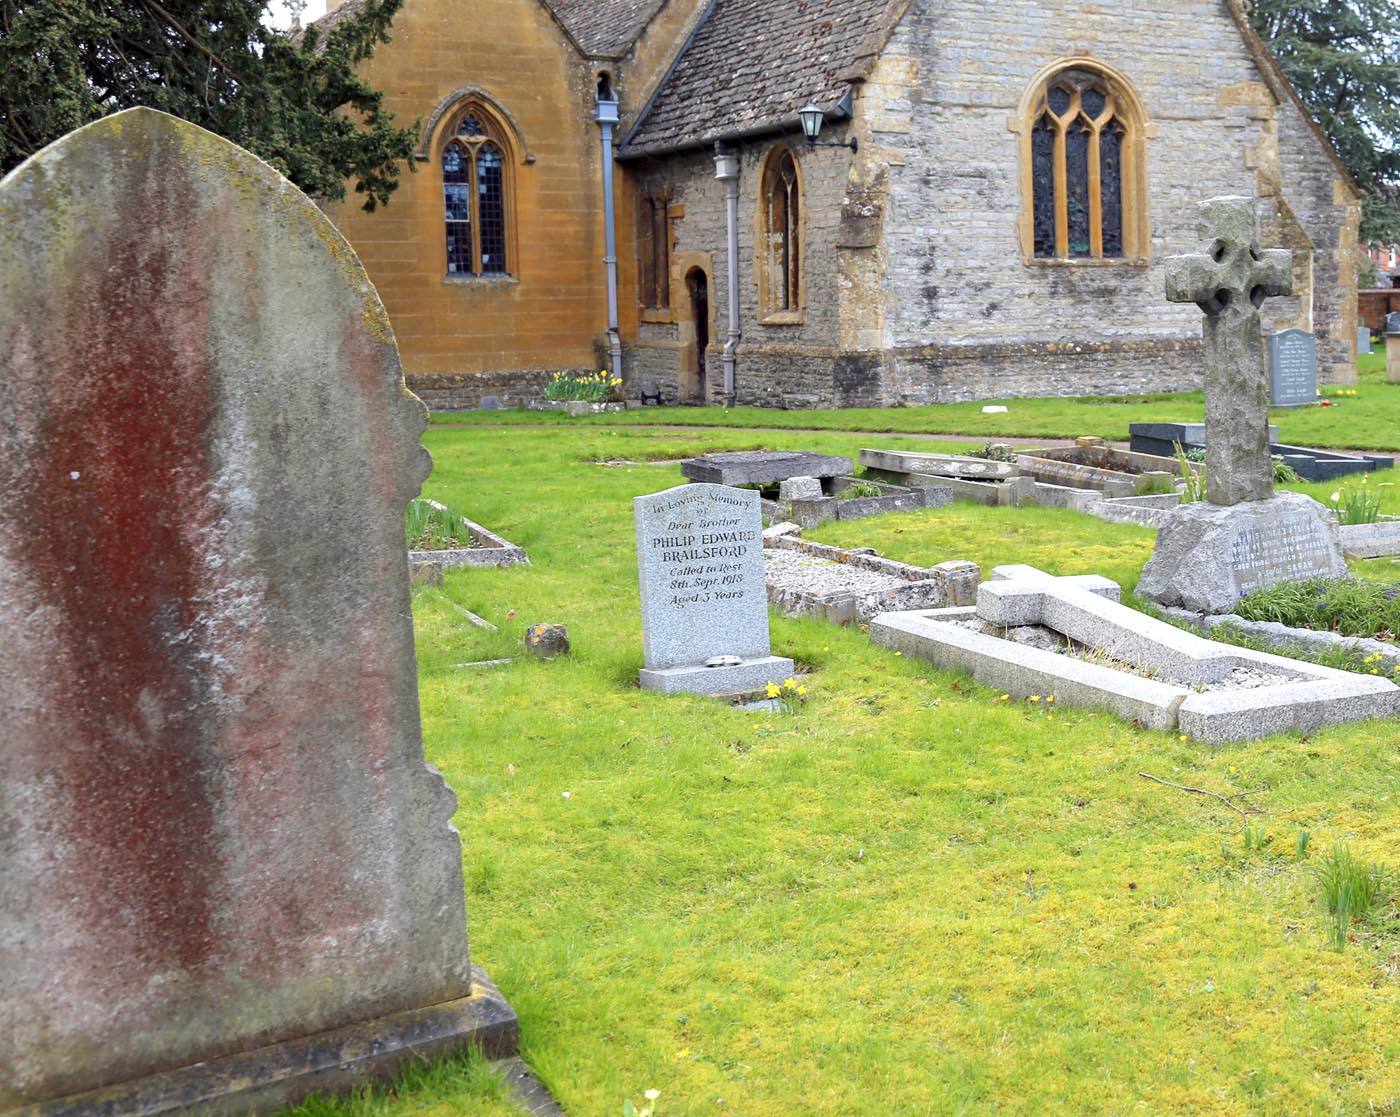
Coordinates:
column 704, row 605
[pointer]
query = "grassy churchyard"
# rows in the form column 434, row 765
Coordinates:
column 912, row 894
column 1368, row 420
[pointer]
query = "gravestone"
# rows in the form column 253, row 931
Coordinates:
column 1292, row 368
column 1392, row 347
column 1243, row 538
column 227, row 876
column 704, row 603
column 1363, row 339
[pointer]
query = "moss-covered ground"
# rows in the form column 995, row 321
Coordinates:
column 911, row 896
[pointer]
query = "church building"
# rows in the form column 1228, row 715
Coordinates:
column 985, row 212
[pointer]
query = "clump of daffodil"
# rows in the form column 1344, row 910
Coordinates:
column 790, row 695
column 591, row 387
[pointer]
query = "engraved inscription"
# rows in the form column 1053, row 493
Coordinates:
column 700, row 568
column 1293, row 549
column 1292, row 368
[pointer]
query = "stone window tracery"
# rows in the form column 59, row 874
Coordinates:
column 654, row 251
column 780, row 237
column 476, row 197
column 1084, row 168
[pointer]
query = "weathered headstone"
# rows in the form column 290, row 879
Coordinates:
column 227, row 875
column 1363, row 339
column 1210, row 554
column 1392, row 347
column 1292, row 368
column 704, row 604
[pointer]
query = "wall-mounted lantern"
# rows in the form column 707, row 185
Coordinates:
column 812, row 118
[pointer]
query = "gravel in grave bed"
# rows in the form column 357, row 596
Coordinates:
column 1046, row 639
column 795, row 571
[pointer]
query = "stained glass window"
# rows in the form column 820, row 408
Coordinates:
column 1077, row 145
column 475, row 201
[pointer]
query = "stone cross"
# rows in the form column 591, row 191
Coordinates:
column 217, row 830
column 1229, row 284
column 1086, row 608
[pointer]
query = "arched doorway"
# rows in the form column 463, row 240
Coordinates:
column 697, row 289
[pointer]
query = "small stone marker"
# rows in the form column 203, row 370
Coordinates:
column 227, row 875
column 800, row 488
column 1208, row 555
column 1363, row 339
column 700, row 569
column 1292, row 369
column 547, row 640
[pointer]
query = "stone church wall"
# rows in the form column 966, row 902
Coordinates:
column 797, row 364
column 966, row 315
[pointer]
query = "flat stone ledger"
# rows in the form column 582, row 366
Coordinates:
column 218, row 834
column 765, row 467
column 700, row 571
column 1208, row 557
column 1292, row 369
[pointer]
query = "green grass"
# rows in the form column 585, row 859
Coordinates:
column 1370, row 420
column 1350, row 606
column 909, row 897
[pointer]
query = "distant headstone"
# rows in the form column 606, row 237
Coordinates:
column 227, row 875
column 800, row 488
column 1210, row 554
column 1363, row 339
column 704, row 603
column 491, row 403
column 1292, row 368
column 1392, row 322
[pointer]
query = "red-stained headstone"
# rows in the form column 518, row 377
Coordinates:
column 217, row 829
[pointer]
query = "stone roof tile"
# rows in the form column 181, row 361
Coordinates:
column 753, row 63
column 604, row 27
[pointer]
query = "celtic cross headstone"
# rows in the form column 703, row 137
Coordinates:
column 1230, row 283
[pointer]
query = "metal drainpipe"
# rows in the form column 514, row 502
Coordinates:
column 727, row 171
column 606, row 116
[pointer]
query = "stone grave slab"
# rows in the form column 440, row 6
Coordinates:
column 765, row 467
column 937, row 465
column 1128, row 663
column 704, row 606
column 227, row 875
column 1292, row 369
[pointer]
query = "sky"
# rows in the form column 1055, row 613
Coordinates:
column 279, row 17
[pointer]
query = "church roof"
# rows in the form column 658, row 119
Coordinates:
column 603, row 27
column 751, row 64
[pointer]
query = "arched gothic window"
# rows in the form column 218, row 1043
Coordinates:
column 1085, row 164
column 475, row 187
column 780, row 263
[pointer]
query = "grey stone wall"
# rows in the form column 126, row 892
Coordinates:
column 916, row 289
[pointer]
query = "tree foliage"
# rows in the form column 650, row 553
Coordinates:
column 295, row 102
column 1343, row 57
